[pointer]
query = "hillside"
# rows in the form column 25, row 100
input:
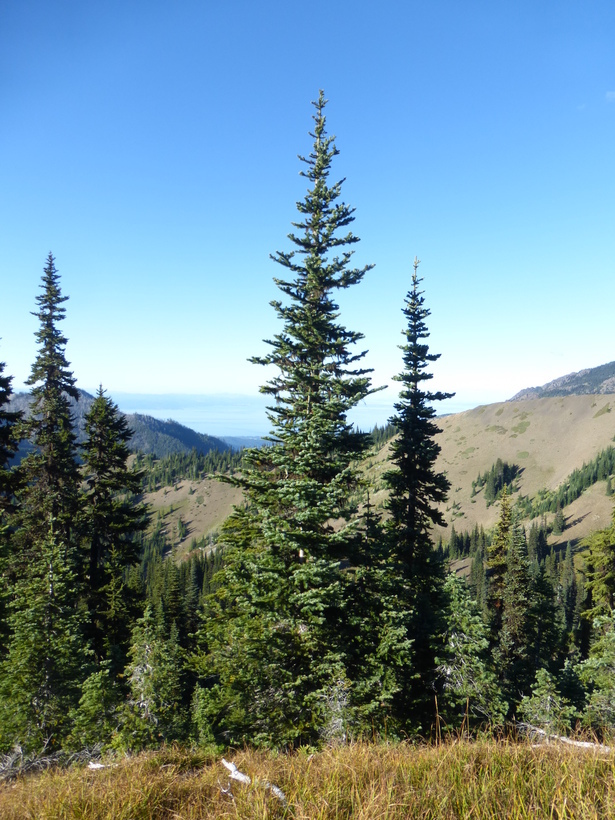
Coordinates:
column 547, row 438
column 150, row 435
column 592, row 380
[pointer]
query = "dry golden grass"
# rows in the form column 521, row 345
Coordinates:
column 480, row 779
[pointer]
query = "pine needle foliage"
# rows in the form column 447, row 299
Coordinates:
column 497, row 561
column 9, row 442
column 416, row 488
column 46, row 657
column 601, row 571
column 50, row 471
column 277, row 627
column 112, row 516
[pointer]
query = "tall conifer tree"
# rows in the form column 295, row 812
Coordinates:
column 497, row 561
column 51, row 472
column 112, row 516
column 278, row 632
column 46, row 654
column 416, row 488
column 516, row 640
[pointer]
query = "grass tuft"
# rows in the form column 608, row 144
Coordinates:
column 482, row 779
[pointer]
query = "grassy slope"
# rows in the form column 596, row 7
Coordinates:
column 202, row 505
column 547, row 438
column 360, row 781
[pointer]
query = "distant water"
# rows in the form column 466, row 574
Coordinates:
column 244, row 415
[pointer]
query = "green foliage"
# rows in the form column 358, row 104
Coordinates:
column 43, row 567
column 494, row 480
column 47, row 659
column 192, row 466
column 51, row 472
column 597, row 673
column 416, row 488
column 545, row 707
column 497, row 562
column 155, row 712
column 277, row 630
column 600, row 565
column 465, row 664
column 559, row 523
column 111, row 517
column 380, row 435
column 514, row 654
column 9, row 441
column 599, row 469
column 95, row 721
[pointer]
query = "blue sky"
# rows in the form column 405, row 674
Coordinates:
column 152, row 147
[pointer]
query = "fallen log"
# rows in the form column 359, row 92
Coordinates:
column 549, row 736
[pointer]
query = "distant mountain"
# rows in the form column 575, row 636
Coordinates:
column 237, row 442
column 150, row 435
column 593, row 380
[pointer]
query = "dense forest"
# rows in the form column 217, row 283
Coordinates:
column 313, row 617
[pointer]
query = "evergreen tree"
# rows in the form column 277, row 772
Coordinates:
column 416, row 488
column 546, row 707
column 154, row 712
column 277, row 629
column 46, row 661
column 515, row 651
column 51, row 474
column 112, row 516
column 46, row 655
column 597, row 673
column 601, row 571
column 9, row 441
column 559, row 522
column 497, row 561
column 568, row 583
column 465, row 665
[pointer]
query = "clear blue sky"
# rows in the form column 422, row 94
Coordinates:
column 152, row 147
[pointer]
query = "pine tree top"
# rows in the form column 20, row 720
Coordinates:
column 50, row 366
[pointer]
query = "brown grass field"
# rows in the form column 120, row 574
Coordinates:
column 482, row 779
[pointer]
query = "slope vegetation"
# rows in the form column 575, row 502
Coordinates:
column 547, row 438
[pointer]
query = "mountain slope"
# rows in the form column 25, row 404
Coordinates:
column 592, row 380
column 547, row 438
column 150, row 435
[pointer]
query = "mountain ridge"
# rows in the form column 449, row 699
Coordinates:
column 150, row 435
column 589, row 381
